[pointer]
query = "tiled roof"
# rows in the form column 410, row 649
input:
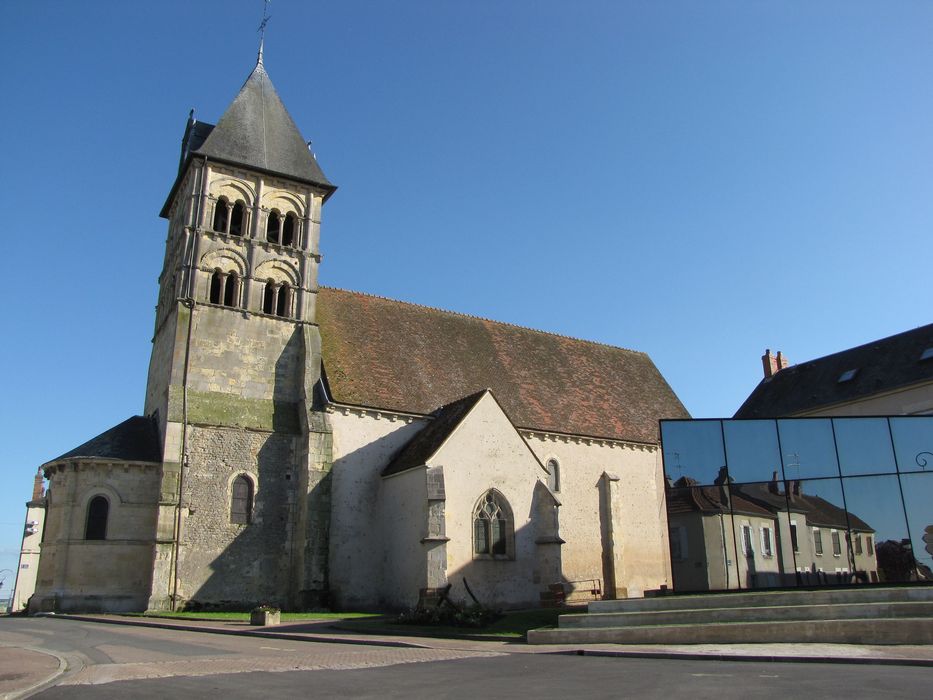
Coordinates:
column 882, row 365
column 134, row 440
column 429, row 439
column 396, row 356
column 686, row 497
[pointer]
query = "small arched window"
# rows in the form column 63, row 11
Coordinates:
column 232, row 289
column 97, row 511
column 221, row 215
column 241, row 501
column 268, row 297
column 284, row 301
column 493, row 532
column 289, row 228
column 217, row 285
column 553, row 475
column 277, row 299
column 238, row 219
column 274, row 227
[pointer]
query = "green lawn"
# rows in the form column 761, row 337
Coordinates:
column 512, row 625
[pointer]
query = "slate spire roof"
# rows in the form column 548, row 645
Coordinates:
column 258, row 132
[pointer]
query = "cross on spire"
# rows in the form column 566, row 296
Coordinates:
column 262, row 28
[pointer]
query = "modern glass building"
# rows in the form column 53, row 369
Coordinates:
column 799, row 501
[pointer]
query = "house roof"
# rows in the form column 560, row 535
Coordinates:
column 134, row 440
column 882, row 365
column 687, row 496
column 403, row 357
column 429, row 439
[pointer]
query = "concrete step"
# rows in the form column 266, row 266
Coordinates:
column 868, row 631
column 773, row 613
column 747, row 599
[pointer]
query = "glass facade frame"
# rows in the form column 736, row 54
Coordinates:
column 799, row 501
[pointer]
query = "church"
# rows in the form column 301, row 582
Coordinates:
column 306, row 446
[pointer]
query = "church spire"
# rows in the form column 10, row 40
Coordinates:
column 262, row 31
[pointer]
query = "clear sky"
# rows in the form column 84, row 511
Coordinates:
column 696, row 180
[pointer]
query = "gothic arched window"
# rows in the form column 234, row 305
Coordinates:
column 274, row 227
column 96, row 526
column 238, row 219
column 221, row 215
column 289, row 228
column 493, row 527
column 241, row 501
column 553, row 475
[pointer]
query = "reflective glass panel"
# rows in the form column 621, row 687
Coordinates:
column 913, row 443
column 918, row 498
column 692, row 449
column 700, row 532
column 762, row 527
column 808, row 448
column 877, row 514
column 751, row 449
column 864, row 446
column 816, row 507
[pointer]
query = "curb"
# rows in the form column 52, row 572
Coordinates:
column 46, row 682
column 293, row 636
column 764, row 658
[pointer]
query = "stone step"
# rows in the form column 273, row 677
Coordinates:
column 747, row 599
column 869, row 631
column 772, row 613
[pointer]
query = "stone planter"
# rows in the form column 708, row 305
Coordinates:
column 265, row 617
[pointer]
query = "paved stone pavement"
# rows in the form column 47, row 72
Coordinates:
column 310, row 646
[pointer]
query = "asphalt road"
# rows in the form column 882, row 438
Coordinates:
column 110, row 661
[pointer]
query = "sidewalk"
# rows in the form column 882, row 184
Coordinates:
column 24, row 670
column 331, row 631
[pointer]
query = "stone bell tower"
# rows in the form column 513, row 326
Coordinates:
column 244, row 505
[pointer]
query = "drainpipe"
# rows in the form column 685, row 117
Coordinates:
column 188, row 303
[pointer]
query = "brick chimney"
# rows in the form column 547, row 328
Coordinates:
column 38, row 490
column 773, row 363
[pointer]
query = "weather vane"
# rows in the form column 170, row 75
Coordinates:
column 262, row 26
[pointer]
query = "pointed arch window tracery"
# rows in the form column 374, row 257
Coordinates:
column 493, row 527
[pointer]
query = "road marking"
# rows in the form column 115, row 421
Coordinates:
column 277, row 648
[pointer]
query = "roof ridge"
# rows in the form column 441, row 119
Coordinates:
column 483, row 318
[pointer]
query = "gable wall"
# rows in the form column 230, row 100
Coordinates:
column 640, row 549
column 486, row 452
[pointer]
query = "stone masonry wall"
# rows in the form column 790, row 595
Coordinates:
column 225, row 563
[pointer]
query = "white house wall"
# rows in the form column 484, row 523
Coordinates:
column 639, row 513
column 363, row 443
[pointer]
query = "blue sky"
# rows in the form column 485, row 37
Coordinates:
column 697, row 180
